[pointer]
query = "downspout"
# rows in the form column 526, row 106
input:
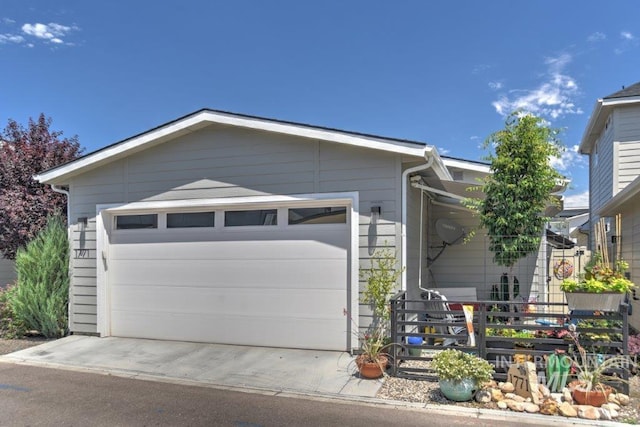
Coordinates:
column 405, row 196
column 66, row 193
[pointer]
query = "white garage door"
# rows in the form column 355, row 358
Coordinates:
column 265, row 277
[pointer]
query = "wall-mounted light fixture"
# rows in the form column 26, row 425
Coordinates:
column 375, row 214
column 82, row 221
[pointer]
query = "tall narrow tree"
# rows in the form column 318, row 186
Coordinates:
column 24, row 203
column 519, row 188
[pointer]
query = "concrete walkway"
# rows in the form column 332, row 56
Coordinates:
column 284, row 372
column 269, row 369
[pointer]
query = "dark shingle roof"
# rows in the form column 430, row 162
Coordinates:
column 633, row 90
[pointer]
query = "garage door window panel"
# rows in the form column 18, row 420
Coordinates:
column 321, row 215
column 191, row 220
column 251, row 217
column 136, row 222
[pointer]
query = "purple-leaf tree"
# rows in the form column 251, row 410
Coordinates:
column 25, row 204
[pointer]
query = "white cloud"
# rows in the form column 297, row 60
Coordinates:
column 51, row 32
column 597, row 37
column 580, row 200
column 626, row 35
column 10, row 38
column 480, row 68
column 568, row 159
column 495, row 85
column 553, row 97
column 8, row 21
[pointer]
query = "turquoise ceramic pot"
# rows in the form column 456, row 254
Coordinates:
column 459, row 391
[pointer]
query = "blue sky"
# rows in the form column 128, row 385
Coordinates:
column 440, row 72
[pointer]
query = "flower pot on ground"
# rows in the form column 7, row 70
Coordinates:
column 594, row 397
column 594, row 372
column 412, row 343
column 371, row 369
column 460, row 374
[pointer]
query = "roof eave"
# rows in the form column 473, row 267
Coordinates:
column 629, row 192
column 202, row 118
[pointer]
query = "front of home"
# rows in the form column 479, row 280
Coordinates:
column 226, row 228
column 612, row 142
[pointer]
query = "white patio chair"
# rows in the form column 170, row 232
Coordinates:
column 435, row 301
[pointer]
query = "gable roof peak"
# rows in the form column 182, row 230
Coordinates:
column 633, row 90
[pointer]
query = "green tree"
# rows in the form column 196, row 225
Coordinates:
column 40, row 297
column 519, row 188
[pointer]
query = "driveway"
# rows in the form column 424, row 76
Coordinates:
column 259, row 368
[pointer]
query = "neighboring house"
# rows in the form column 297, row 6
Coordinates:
column 227, row 228
column 612, row 141
column 7, row 272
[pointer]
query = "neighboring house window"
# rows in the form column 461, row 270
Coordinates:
column 191, row 220
column 130, row 222
column 324, row 215
column 253, row 217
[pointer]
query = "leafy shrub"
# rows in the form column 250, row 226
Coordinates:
column 10, row 327
column 40, row 297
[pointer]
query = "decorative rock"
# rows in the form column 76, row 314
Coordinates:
column 566, row 396
column 544, row 390
column 588, row 412
column 557, row 397
column 567, row 410
column 515, row 397
column 611, row 406
column 607, row 413
column 496, row 395
column 502, row 404
column 531, row 408
column 492, row 384
column 507, row 387
column 483, row 396
column 549, row 406
column 515, row 406
column 613, row 398
column 623, row 399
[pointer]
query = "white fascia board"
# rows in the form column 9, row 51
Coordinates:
column 587, row 140
column 197, row 120
column 601, row 111
column 471, row 166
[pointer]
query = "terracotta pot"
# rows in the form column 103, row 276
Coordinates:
column 370, row 369
column 595, row 397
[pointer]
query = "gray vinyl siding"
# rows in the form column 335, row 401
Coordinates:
column 601, row 173
column 218, row 162
column 7, row 272
column 627, row 137
column 630, row 247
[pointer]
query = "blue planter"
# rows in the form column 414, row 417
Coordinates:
column 459, row 391
column 415, row 341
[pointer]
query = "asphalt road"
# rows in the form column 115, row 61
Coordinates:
column 33, row 396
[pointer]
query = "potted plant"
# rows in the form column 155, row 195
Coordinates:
column 600, row 288
column 593, row 372
column 374, row 357
column 460, row 374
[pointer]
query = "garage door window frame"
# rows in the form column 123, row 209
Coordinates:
column 105, row 227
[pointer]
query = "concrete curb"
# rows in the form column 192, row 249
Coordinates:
column 517, row 418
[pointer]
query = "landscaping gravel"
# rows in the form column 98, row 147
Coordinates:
column 428, row 392
column 9, row 346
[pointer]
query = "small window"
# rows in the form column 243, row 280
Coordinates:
column 191, row 220
column 130, row 222
column 255, row 217
column 328, row 215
